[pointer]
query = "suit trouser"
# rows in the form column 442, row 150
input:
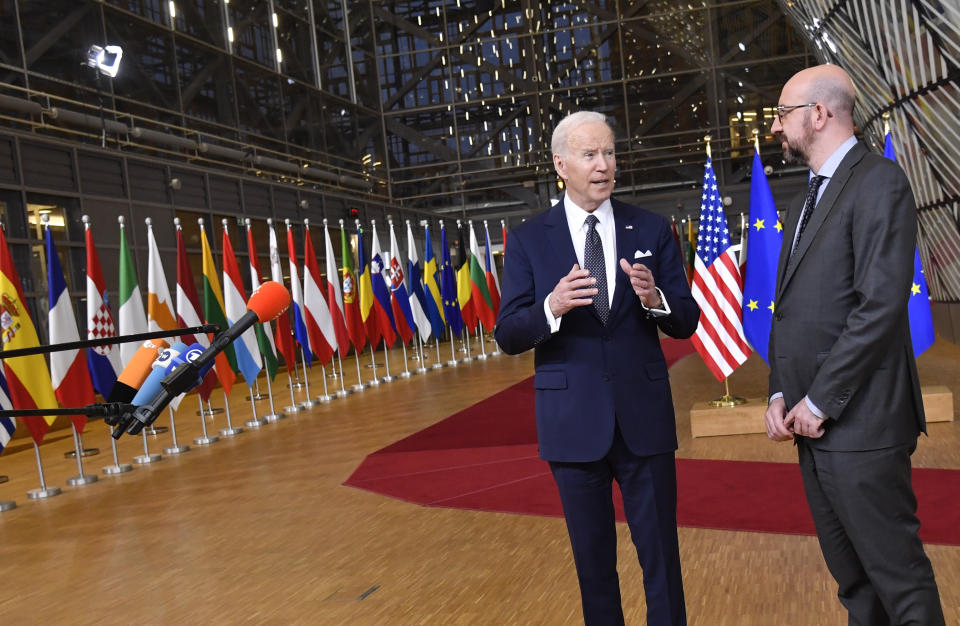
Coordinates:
column 649, row 488
column 864, row 509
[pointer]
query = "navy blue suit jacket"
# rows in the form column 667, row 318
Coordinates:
column 590, row 376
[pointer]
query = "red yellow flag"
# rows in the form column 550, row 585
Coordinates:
column 27, row 376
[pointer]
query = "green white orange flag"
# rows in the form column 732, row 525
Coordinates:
column 133, row 319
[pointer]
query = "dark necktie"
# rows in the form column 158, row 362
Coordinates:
column 593, row 261
column 809, row 204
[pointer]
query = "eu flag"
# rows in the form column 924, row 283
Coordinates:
column 448, row 287
column 763, row 250
column 918, row 307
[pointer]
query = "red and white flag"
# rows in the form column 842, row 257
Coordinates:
column 717, row 287
column 323, row 339
column 334, row 297
column 284, row 334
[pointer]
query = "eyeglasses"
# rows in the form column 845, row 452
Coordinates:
column 782, row 109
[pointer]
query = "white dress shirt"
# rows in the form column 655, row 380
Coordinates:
column 576, row 222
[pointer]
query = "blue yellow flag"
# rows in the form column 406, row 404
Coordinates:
column 431, row 283
column 918, row 307
column 763, row 251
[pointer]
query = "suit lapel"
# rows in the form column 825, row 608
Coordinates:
column 626, row 241
column 558, row 234
column 793, row 219
column 834, row 186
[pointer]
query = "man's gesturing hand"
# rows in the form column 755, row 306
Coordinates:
column 575, row 289
column 641, row 280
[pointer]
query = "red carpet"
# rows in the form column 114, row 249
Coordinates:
column 485, row 458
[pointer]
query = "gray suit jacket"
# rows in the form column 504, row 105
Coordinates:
column 840, row 332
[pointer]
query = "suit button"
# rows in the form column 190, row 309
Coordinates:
column 606, row 377
column 778, row 316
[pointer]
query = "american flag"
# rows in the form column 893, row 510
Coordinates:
column 717, row 287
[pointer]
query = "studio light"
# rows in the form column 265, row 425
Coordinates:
column 106, row 59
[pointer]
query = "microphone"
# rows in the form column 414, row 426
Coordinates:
column 267, row 302
column 150, row 386
column 134, row 375
column 166, row 361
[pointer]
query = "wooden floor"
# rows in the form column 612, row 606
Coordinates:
column 258, row 529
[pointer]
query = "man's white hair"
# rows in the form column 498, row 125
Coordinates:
column 558, row 142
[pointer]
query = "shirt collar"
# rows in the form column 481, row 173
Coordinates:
column 577, row 216
column 830, row 166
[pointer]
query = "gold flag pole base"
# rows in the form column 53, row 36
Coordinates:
column 726, row 400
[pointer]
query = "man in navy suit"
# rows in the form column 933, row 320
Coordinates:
column 587, row 283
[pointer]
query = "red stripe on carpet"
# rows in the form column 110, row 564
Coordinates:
column 484, row 458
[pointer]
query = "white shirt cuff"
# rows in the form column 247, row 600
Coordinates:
column 554, row 322
column 662, row 311
column 813, row 408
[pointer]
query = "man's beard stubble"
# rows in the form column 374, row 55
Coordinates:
column 796, row 151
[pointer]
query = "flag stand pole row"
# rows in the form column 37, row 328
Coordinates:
column 45, row 491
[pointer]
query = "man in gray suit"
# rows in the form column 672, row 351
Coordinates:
column 843, row 381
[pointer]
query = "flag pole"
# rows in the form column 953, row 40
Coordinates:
column 406, row 370
column 254, row 422
column 453, row 350
column 373, row 363
column 147, row 457
column 294, row 407
column 423, row 360
column 439, row 365
column 80, row 478
column 326, row 397
column 344, row 392
column 360, row 386
column 255, row 391
column 386, row 362
column 466, row 342
column 483, row 350
column 203, row 439
column 43, row 491
column 273, row 416
column 176, row 448
column 308, row 403
column 493, row 266
column 117, row 467
column 295, row 385
column 727, row 400
column 230, row 430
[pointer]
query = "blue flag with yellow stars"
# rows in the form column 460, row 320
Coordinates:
column 763, row 250
column 448, row 287
column 918, row 307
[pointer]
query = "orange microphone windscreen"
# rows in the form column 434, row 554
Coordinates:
column 141, row 362
column 269, row 300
